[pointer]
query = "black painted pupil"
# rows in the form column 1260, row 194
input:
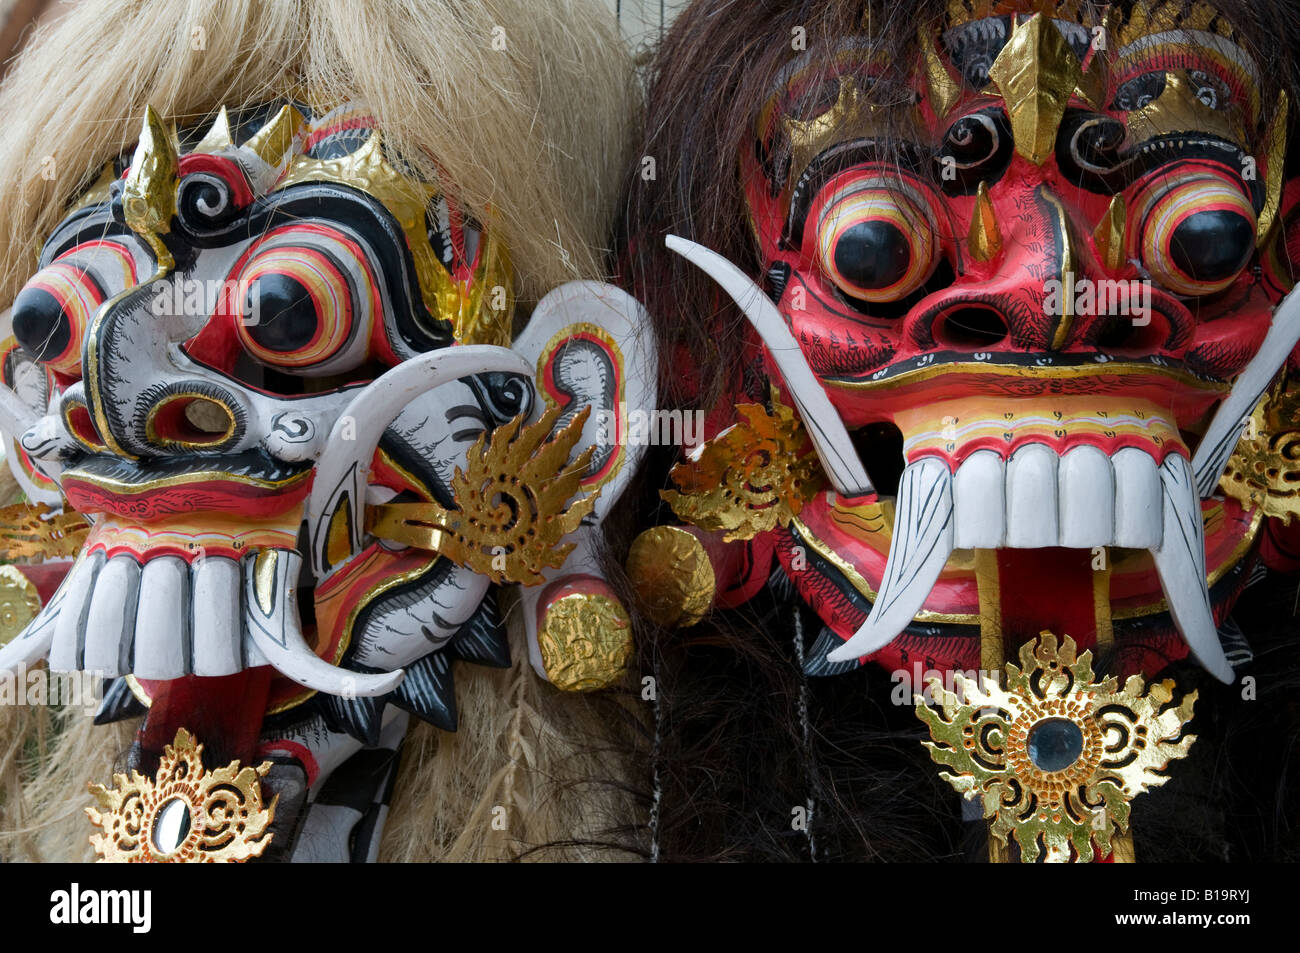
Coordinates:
column 280, row 313
column 1055, row 744
column 1212, row 245
column 40, row 325
column 872, row 254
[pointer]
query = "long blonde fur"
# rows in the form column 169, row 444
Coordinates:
column 531, row 139
column 524, row 106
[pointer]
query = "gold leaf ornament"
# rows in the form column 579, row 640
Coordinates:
column 1264, row 470
column 186, row 814
column 510, row 501
column 585, row 641
column 754, row 476
column 34, row 532
column 1053, row 756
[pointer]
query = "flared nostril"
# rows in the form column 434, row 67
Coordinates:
column 189, row 421
column 970, row 328
column 1128, row 334
column 82, row 427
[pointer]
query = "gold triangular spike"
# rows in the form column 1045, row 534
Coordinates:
column 217, row 137
column 1108, row 236
column 273, row 141
column 985, row 236
column 149, row 192
column 944, row 90
column 1036, row 72
column 1276, row 140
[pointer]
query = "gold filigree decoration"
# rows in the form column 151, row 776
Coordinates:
column 754, row 476
column 1054, row 756
column 671, row 575
column 34, row 532
column 586, row 642
column 1149, row 17
column 186, row 814
column 1264, row 470
column 509, row 510
column 1036, row 72
column 480, row 313
column 19, row 603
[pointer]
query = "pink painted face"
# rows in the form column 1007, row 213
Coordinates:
column 1027, row 269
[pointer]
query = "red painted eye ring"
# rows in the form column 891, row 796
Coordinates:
column 874, row 240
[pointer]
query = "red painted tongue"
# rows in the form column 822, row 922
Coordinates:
column 1050, row 589
column 224, row 714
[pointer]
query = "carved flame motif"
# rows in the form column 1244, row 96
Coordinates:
column 34, row 532
column 1264, row 470
column 754, row 476
column 1055, row 757
column 186, row 814
column 510, row 513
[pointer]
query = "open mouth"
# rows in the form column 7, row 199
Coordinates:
column 1027, row 452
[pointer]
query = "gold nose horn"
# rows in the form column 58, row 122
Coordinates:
column 149, row 192
column 1036, row 72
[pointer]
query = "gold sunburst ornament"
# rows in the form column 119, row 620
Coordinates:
column 186, row 814
column 752, row 477
column 1054, row 756
column 1264, row 469
column 510, row 503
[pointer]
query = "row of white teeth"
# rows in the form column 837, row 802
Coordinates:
column 168, row 618
column 1083, row 499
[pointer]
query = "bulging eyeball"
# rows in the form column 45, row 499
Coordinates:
column 53, row 310
column 307, row 301
column 1198, row 235
column 875, row 241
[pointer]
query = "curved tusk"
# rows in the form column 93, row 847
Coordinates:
column 819, row 416
column 1221, row 437
column 1180, row 564
column 339, row 488
column 922, row 543
column 271, row 623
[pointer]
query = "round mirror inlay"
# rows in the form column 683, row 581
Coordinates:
column 1055, row 744
column 171, row 825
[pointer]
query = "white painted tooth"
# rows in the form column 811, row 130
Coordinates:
column 110, row 623
column 978, row 499
column 217, row 619
column 1139, row 509
column 1086, row 495
column 162, row 620
column 1031, row 498
column 1180, row 563
column 921, row 544
column 273, row 631
column 70, row 629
